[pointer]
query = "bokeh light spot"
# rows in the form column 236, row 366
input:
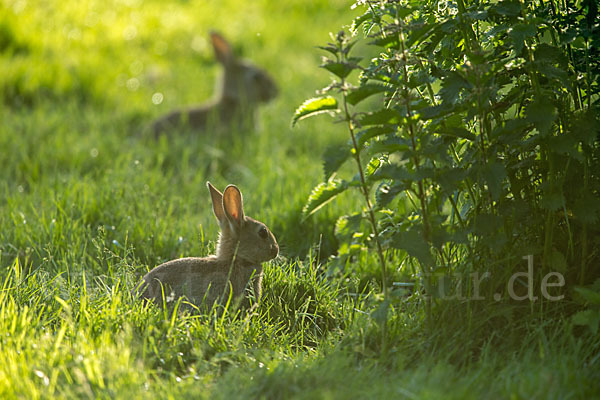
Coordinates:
column 130, row 32
column 157, row 98
column 133, row 84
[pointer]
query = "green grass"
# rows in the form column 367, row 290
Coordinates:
column 87, row 205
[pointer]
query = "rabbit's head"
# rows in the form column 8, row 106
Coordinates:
column 241, row 237
column 242, row 81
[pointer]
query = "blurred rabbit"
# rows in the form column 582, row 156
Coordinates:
column 243, row 245
column 239, row 93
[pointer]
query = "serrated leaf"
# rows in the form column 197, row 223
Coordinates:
column 369, row 133
column 552, row 197
column 330, row 48
column 452, row 84
column 457, row 132
column 372, row 167
column 587, row 208
column 347, row 225
column 386, row 193
column 487, row 225
column 360, row 93
column 391, row 144
column 314, row 106
column 358, row 21
column 380, row 117
column 589, row 295
column 450, row 178
column 322, row 194
column 393, row 172
column 589, row 318
column 416, row 34
column 542, row 114
column 494, row 174
column 340, row 69
column 509, row 8
column 519, row 33
column 334, row 157
column 390, row 41
column 414, row 244
column 558, row 262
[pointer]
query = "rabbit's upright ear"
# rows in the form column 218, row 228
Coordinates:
column 217, row 202
column 222, row 48
column 233, row 204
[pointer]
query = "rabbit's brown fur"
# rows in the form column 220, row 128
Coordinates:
column 243, row 245
column 243, row 87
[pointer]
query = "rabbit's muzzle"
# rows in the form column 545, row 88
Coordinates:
column 274, row 250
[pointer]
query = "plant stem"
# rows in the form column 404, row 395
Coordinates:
column 365, row 191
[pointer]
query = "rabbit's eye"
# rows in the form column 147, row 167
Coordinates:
column 262, row 232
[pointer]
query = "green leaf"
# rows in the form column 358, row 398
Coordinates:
column 509, row 8
column 390, row 41
column 414, row 244
column 542, row 114
column 393, row 172
column 590, row 296
column 380, row 315
column 386, row 193
column 457, row 132
column 369, row 133
column 487, row 225
column 552, row 197
column 322, row 194
column 519, row 33
column 347, row 225
column 452, row 84
column 358, row 21
column 391, row 144
column 334, row 157
column 380, row 117
column 450, row 179
column 589, row 318
column 315, row 106
column 360, row 93
column 558, row 262
column 494, row 173
column 330, row 48
column 372, row 167
column 416, row 34
column 587, row 208
column 339, row 68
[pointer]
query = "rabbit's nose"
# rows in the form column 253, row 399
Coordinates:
column 274, row 250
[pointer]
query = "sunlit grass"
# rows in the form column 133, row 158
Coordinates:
column 88, row 204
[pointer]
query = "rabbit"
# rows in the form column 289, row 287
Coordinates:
column 243, row 245
column 239, row 93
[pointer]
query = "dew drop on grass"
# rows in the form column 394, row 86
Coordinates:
column 42, row 376
column 20, row 189
column 94, row 152
column 157, row 98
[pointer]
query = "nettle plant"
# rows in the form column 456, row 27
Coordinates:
column 482, row 145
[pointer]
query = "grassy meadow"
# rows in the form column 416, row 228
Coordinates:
column 89, row 203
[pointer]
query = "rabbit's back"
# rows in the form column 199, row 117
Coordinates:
column 200, row 280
